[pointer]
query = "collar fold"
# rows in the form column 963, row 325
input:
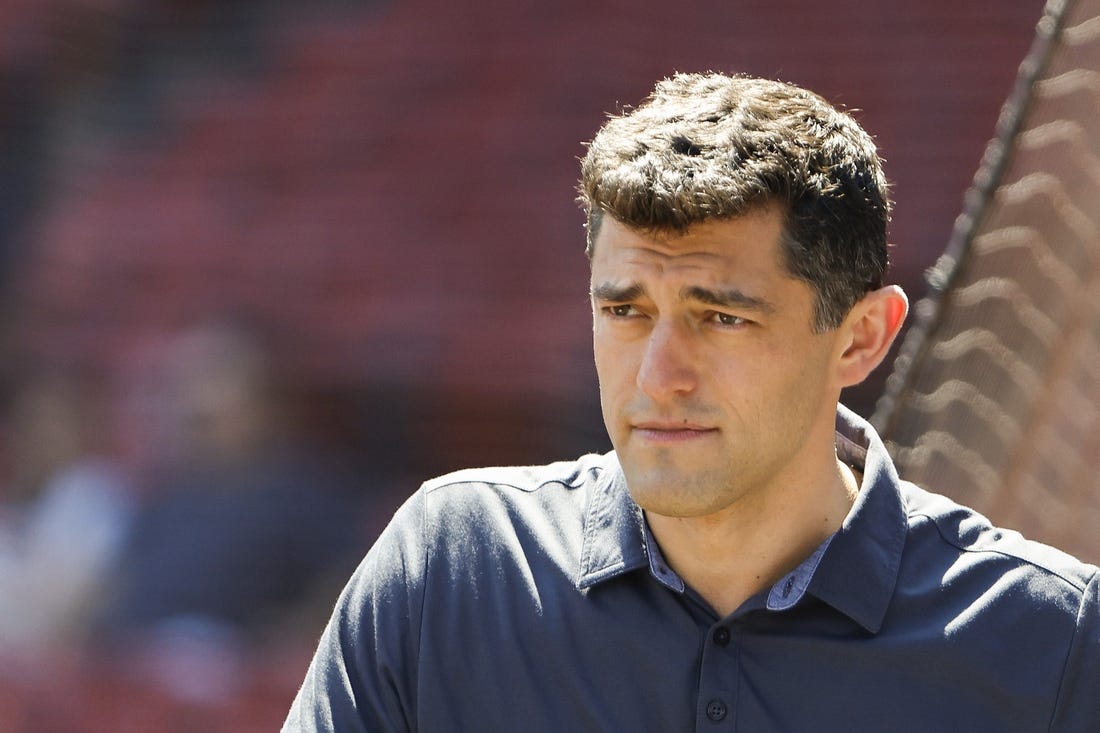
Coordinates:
column 859, row 572
column 614, row 534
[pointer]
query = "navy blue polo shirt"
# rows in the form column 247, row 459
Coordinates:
column 535, row 600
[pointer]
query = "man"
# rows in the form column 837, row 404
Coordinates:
column 747, row 558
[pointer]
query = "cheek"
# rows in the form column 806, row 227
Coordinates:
column 608, row 368
column 609, row 352
column 764, row 378
column 803, row 383
column 610, row 392
column 615, row 371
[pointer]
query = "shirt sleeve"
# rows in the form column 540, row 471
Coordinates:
column 363, row 674
column 1078, row 706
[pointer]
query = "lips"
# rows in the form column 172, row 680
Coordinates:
column 664, row 431
column 671, row 426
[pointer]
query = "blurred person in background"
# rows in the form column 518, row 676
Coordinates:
column 66, row 508
column 244, row 524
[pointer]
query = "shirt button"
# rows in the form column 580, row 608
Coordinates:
column 721, row 636
column 788, row 587
column 716, row 710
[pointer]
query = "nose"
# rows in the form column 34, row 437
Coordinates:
column 667, row 368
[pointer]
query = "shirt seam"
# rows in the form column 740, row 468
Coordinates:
column 504, row 484
column 1069, row 651
column 1064, row 577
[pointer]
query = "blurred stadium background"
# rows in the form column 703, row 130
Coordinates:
column 356, row 220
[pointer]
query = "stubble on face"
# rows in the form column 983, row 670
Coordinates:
column 702, row 415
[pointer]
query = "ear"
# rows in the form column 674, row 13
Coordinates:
column 869, row 331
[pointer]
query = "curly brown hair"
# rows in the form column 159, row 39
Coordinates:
column 714, row 146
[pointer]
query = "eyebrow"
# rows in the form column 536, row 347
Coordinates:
column 727, row 298
column 617, row 293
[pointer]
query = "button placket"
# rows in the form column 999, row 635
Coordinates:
column 719, row 674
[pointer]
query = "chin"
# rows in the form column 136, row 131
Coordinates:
column 675, row 494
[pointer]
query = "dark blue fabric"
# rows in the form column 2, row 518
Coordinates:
column 525, row 599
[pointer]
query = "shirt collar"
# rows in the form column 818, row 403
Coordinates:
column 858, row 573
column 854, row 571
column 614, row 529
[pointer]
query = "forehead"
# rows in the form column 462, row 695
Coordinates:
column 747, row 248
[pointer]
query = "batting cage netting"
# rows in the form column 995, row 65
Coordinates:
column 995, row 394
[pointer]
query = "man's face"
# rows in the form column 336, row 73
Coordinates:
column 713, row 384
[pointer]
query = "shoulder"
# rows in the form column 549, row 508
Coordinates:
column 969, row 545
column 1024, row 612
column 523, row 479
column 463, row 515
column 555, row 487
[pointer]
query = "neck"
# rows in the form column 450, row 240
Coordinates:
column 733, row 554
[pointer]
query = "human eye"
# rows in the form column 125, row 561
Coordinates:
column 728, row 320
column 620, row 310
